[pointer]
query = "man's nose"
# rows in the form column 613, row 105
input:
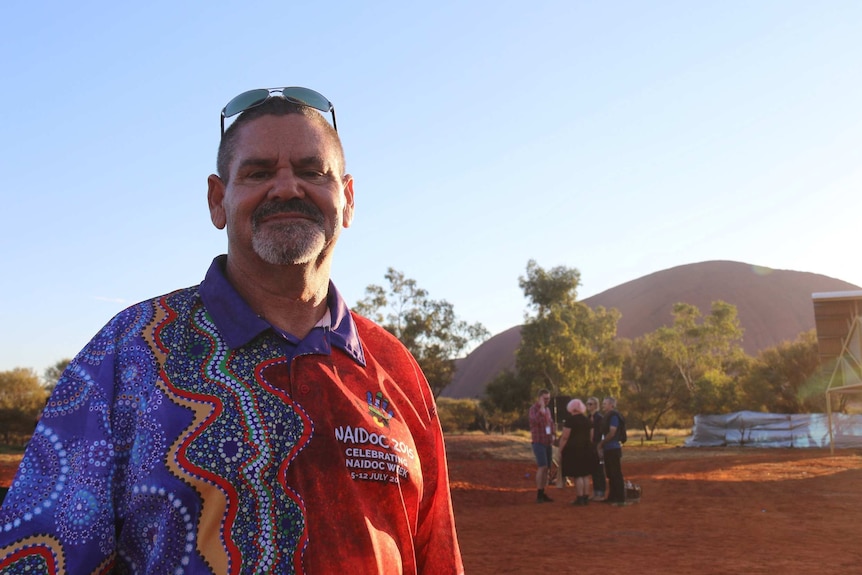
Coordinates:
column 286, row 184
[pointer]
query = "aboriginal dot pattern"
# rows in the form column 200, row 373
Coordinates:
column 178, row 439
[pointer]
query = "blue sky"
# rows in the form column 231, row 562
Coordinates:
column 620, row 138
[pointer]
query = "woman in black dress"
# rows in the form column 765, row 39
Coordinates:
column 576, row 450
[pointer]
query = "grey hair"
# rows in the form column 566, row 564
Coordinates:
column 272, row 107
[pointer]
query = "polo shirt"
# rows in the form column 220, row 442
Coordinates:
column 613, row 420
column 190, row 436
column 239, row 324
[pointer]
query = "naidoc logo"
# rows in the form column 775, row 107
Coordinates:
column 378, row 407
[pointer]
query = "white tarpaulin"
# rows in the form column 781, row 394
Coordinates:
column 754, row 429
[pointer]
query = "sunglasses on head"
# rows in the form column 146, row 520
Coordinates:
column 297, row 95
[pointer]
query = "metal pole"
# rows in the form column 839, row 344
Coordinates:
column 829, row 418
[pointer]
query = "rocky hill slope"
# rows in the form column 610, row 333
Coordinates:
column 773, row 306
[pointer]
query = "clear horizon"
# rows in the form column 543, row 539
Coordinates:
column 619, row 139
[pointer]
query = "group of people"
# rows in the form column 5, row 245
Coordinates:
column 589, row 445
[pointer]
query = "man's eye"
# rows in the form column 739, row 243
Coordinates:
column 258, row 175
column 313, row 175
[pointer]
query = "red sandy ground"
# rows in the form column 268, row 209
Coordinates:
column 715, row 511
column 703, row 511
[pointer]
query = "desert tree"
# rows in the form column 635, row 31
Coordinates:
column 696, row 345
column 429, row 328
column 566, row 345
column 653, row 390
column 787, row 378
column 505, row 402
column 22, row 398
column 53, row 373
column 693, row 366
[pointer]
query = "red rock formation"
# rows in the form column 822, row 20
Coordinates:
column 773, row 306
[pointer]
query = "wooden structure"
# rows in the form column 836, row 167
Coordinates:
column 838, row 318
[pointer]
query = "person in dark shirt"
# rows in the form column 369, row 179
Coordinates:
column 594, row 414
column 577, row 451
column 611, row 450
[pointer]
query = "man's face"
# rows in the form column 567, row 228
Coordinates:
column 286, row 199
column 606, row 405
column 545, row 399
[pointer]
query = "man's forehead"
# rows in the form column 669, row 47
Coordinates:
column 292, row 135
column 288, row 129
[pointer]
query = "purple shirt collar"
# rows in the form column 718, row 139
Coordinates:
column 238, row 323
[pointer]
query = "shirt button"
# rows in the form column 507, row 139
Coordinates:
column 304, row 388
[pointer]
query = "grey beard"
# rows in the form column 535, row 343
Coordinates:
column 289, row 244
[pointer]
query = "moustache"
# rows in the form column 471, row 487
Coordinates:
column 291, row 206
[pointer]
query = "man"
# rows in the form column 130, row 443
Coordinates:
column 611, row 450
column 542, row 435
column 251, row 424
column 595, row 417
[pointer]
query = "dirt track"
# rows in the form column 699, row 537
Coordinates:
column 704, row 511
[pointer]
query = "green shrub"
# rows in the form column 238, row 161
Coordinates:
column 457, row 414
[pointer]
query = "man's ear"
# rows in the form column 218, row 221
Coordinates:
column 215, row 198
column 347, row 213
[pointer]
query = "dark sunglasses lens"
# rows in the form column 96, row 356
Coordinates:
column 245, row 101
column 307, row 97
